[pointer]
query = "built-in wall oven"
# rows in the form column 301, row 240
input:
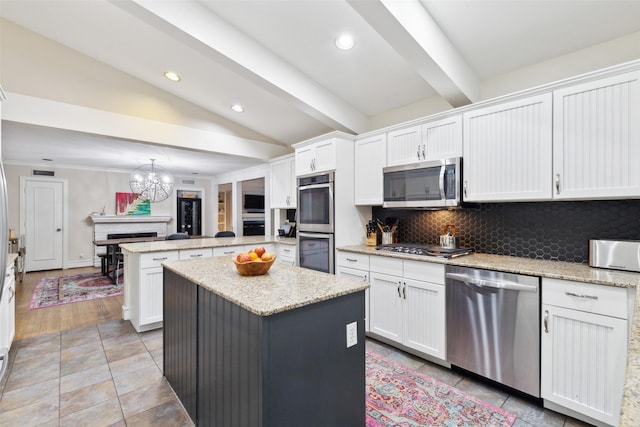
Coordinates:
column 315, row 222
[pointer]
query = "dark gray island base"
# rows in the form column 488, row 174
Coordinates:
column 233, row 367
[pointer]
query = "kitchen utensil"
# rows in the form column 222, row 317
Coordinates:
column 449, row 240
column 387, row 237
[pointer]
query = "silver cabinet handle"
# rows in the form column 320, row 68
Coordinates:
column 546, row 321
column 502, row 284
column 418, row 152
column 286, row 250
column 571, row 294
column 365, row 277
column 465, row 188
column 404, row 290
column 557, row 183
column 352, row 260
column 229, row 252
column 195, row 255
column 13, row 294
column 399, row 294
column 159, row 259
column 424, row 151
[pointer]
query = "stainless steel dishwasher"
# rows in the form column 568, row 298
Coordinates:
column 493, row 326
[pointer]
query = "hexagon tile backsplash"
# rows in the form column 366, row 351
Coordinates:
column 542, row 230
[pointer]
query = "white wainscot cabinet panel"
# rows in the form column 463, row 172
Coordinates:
column 370, row 159
column 596, row 139
column 360, row 275
column 405, row 146
column 508, row 151
column 385, row 306
column 442, row 139
column 283, row 183
column 424, row 317
column 317, row 157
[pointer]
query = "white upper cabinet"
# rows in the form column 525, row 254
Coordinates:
column 596, row 139
column 317, row 157
column 442, row 139
column 370, row 158
column 405, row 146
column 283, row 183
column 508, row 151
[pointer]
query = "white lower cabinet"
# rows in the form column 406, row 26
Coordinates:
column 8, row 310
column 406, row 310
column 196, row 253
column 355, row 266
column 286, row 254
column 227, row 250
column 584, row 349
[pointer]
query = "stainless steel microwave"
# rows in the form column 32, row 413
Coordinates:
column 434, row 184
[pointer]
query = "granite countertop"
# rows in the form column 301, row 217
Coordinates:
column 283, row 288
column 630, row 412
column 205, row 242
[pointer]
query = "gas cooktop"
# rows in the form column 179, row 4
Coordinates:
column 426, row 250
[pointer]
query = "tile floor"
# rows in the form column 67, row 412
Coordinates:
column 109, row 375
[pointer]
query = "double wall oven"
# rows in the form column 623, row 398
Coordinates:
column 315, row 222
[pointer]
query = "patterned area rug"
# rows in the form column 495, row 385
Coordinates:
column 400, row 397
column 51, row 291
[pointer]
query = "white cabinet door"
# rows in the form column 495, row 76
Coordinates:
column 370, row 158
column 442, row 139
column 283, row 185
column 196, row 253
column 8, row 310
column 405, row 146
column 385, row 306
column 360, row 275
column 227, row 250
column 508, row 151
column 596, row 139
column 305, row 157
column 583, row 362
column 424, row 317
column 150, row 296
column 325, row 155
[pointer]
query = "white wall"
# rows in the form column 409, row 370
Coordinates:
column 90, row 191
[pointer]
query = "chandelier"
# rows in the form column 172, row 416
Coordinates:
column 152, row 182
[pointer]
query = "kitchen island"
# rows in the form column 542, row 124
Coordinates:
column 143, row 269
column 271, row 350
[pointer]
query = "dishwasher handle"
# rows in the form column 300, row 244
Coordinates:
column 512, row 286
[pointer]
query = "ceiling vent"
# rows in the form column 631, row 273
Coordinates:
column 188, row 182
column 36, row 172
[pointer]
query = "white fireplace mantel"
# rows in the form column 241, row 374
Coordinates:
column 102, row 219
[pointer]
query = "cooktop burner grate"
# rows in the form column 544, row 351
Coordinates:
column 425, row 250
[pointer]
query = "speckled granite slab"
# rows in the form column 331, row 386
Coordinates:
column 206, row 242
column 283, row 288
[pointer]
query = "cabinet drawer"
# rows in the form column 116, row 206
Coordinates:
column 353, row 260
column 424, row 271
column 227, row 250
column 385, row 265
column 196, row 253
column 598, row 299
column 287, row 251
column 155, row 259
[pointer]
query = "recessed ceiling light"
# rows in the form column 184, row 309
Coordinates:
column 174, row 77
column 344, row 41
column 237, row 108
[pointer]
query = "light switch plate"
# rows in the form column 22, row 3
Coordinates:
column 352, row 334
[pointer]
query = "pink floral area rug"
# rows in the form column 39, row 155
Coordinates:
column 52, row 291
column 400, row 397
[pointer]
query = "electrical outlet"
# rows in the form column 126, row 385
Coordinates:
column 352, row 334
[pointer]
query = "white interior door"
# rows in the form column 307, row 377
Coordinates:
column 43, row 225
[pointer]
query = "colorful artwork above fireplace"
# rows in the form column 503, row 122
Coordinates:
column 132, row 204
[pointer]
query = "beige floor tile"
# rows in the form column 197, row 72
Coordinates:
column 31, row 394
column 101, row 415
column 36, row 348
column 130, row 364
column 86, row 397
column 84, row 362
column 532, row 413
column 378, row 347
column 84, row 378
column 34, row 370
column 153, row 344
column 406, row 359
column 80, row 336
column 122, row 351
column 440, row 373
column 137, row 379
column 483, row 392
column 115, row 329
column 120, row 340
column 167, row 414
column 146, row 398
column 32, row 415
column 82, row 350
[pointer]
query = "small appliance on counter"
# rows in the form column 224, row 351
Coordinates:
column 449, row 240
column 615, row 254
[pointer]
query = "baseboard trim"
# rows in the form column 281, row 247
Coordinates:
column 80, row 263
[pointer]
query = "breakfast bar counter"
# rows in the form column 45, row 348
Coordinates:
column 284, row 348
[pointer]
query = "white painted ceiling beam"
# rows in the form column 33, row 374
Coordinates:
column 411, row 31
column 42, row 112
column 203, row 30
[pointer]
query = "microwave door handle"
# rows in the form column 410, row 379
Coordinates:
column 441, row 182
column 310, row 187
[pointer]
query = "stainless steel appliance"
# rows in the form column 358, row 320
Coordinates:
column 315, row 251
column 315, row 203
column 435, row 184
column 425, row 250
column 315, row 222
column 493, row 326
column 615, row 254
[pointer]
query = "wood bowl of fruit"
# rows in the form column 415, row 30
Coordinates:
column 256, row 262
